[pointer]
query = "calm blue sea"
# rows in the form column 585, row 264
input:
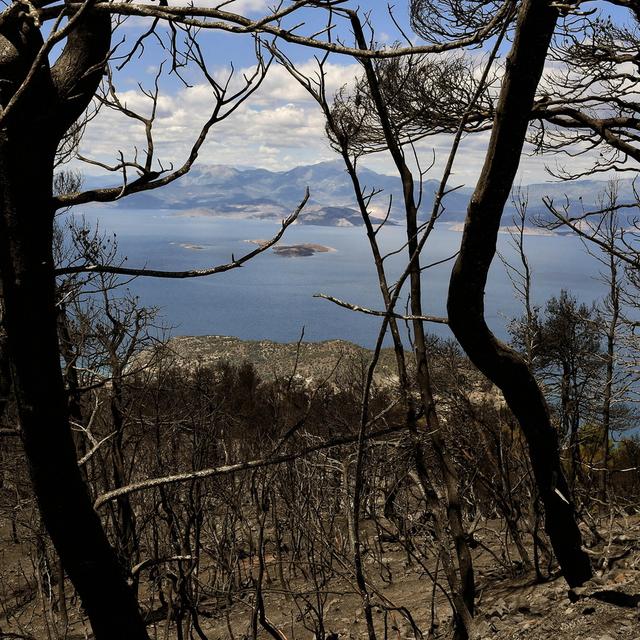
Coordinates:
column 272, row 296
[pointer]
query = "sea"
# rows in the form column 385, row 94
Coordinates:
column 272, row 296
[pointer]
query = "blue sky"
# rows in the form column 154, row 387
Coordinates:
column 279, row 127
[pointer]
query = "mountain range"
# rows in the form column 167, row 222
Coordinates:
column 221, row 190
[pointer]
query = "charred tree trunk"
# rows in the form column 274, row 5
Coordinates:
column 5, row 372
column 70, row 376
column 28, row 280
column 125, row 519
column 569, row 419
column 29, row 136
column 502, row 365
column 607, row 398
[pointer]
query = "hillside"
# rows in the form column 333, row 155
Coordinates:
column 331, row 360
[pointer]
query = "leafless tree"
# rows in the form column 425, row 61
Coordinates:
column 534, row 32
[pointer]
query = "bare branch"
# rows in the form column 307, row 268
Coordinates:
column 203, row 17
column 192, row 273
column 381, row 314
column 234, row 468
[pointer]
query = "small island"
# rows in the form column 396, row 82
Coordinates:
column 301, row 250
column 191, row 246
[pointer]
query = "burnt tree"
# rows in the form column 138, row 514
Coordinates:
column 465, row 305
column 39, row 104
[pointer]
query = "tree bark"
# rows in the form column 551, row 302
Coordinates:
column 27, row 269
column 5, row 373
column 612, row 339
column 502, row 365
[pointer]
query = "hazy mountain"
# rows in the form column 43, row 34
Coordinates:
column 220, row 190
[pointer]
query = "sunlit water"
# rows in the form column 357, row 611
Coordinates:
column 272, row 296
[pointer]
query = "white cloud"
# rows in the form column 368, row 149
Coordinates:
column 279, row 127
column 262, row 7
column 244, row 6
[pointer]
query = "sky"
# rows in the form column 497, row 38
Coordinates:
column 278, row 127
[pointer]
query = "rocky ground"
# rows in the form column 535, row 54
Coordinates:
column 549, row 611
column 508, row 607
